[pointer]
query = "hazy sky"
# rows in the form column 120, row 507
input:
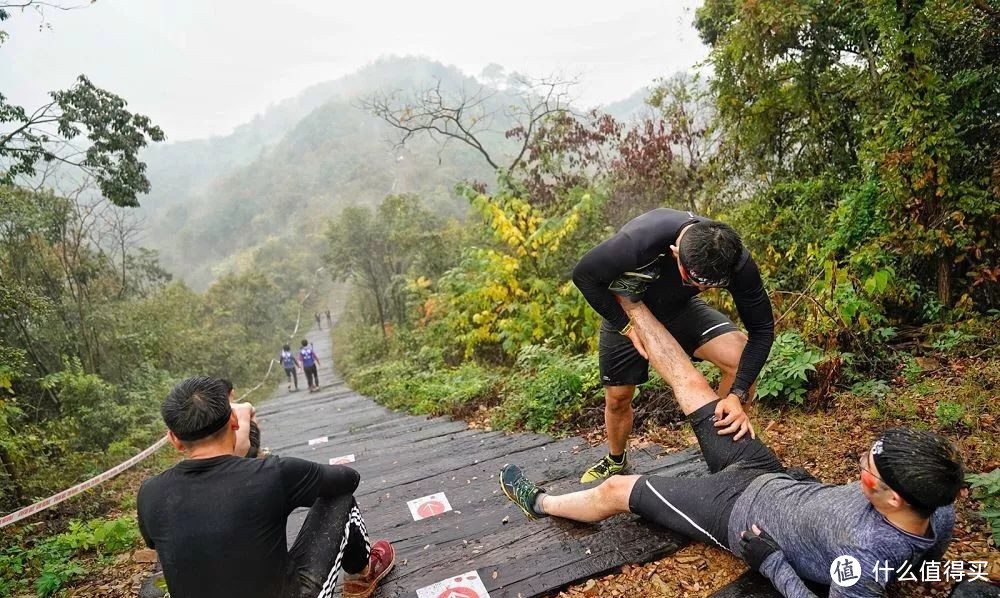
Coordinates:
column 201, row 67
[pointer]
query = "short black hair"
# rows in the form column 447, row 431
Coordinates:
column 197, row 409
column 305, row 342
column 711, row 249
column 924, row 468
column 227, row 384
column 286, row 348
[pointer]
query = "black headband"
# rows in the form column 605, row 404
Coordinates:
column 889, row 476
column 698, row 278
column 206, row 430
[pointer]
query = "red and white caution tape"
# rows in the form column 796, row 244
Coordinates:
column 98, row 479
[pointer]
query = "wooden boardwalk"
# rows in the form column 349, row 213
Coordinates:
column 403, row 457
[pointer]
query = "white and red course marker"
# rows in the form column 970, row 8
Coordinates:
column 319, row 440
column 429, row 506
column 467, row 585
column 342, row 460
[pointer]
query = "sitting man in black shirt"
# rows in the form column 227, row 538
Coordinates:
column 217, row 520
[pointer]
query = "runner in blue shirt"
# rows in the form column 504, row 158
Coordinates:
column 290, row 363
column 309, row 362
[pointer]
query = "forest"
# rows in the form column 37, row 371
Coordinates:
column 855, row 146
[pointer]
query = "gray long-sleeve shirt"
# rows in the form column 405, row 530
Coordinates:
column 815, row 523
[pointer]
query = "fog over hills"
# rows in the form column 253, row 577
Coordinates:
column 280, row 176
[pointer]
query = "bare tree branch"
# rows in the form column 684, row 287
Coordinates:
column 466, row 116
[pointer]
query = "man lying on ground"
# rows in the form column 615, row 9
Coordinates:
column 217, row 520
column 788, row 529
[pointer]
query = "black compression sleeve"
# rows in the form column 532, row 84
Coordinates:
column 597, row 269
column 755, row 311
column 305, row 481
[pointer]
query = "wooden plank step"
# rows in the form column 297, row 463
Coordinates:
column 403, row 457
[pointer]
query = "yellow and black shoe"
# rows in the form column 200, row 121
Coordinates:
column 604, row 469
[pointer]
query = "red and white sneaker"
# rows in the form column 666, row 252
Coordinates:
column 380, row 561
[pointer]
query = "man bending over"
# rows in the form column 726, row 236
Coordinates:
column 217, row 519
column 788, row 529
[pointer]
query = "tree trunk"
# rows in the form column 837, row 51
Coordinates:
column 944, row 280
column 381, row 312
column 12, row 483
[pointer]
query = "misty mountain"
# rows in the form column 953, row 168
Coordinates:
column 631, row 108
column 279, row 177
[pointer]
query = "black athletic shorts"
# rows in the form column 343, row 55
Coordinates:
column 700, row 507
column 693, row 326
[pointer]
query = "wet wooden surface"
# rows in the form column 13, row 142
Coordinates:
column 402, row 457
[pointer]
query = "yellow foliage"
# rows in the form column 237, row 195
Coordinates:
column 505, row 295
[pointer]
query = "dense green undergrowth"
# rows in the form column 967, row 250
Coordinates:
column 55, row 561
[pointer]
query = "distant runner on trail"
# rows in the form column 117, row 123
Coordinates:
column 318, row 322
column 309, row 362
column 217, row 521
column 329, row 321
column 783, row 523
column 290, row 363
column 666, row 258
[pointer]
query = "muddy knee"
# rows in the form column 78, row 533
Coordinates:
column 618, row 399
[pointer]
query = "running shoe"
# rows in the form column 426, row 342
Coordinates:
column 520, row 490
column 633, row 284
column 381, row 559
column 604, row 469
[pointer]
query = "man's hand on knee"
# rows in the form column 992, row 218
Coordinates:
column 633, row 336
column 731, row 418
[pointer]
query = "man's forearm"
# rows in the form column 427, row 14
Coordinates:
column 752, row 360
column 242, row 446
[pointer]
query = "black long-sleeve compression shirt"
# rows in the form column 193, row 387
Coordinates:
column 643, row 245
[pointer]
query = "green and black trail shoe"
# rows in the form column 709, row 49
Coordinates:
column 604, row 469
column 520, row 490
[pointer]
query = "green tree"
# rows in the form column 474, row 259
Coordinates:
column 112, row 136
column 93, row 334
column 380, row 251
column 868, row 129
